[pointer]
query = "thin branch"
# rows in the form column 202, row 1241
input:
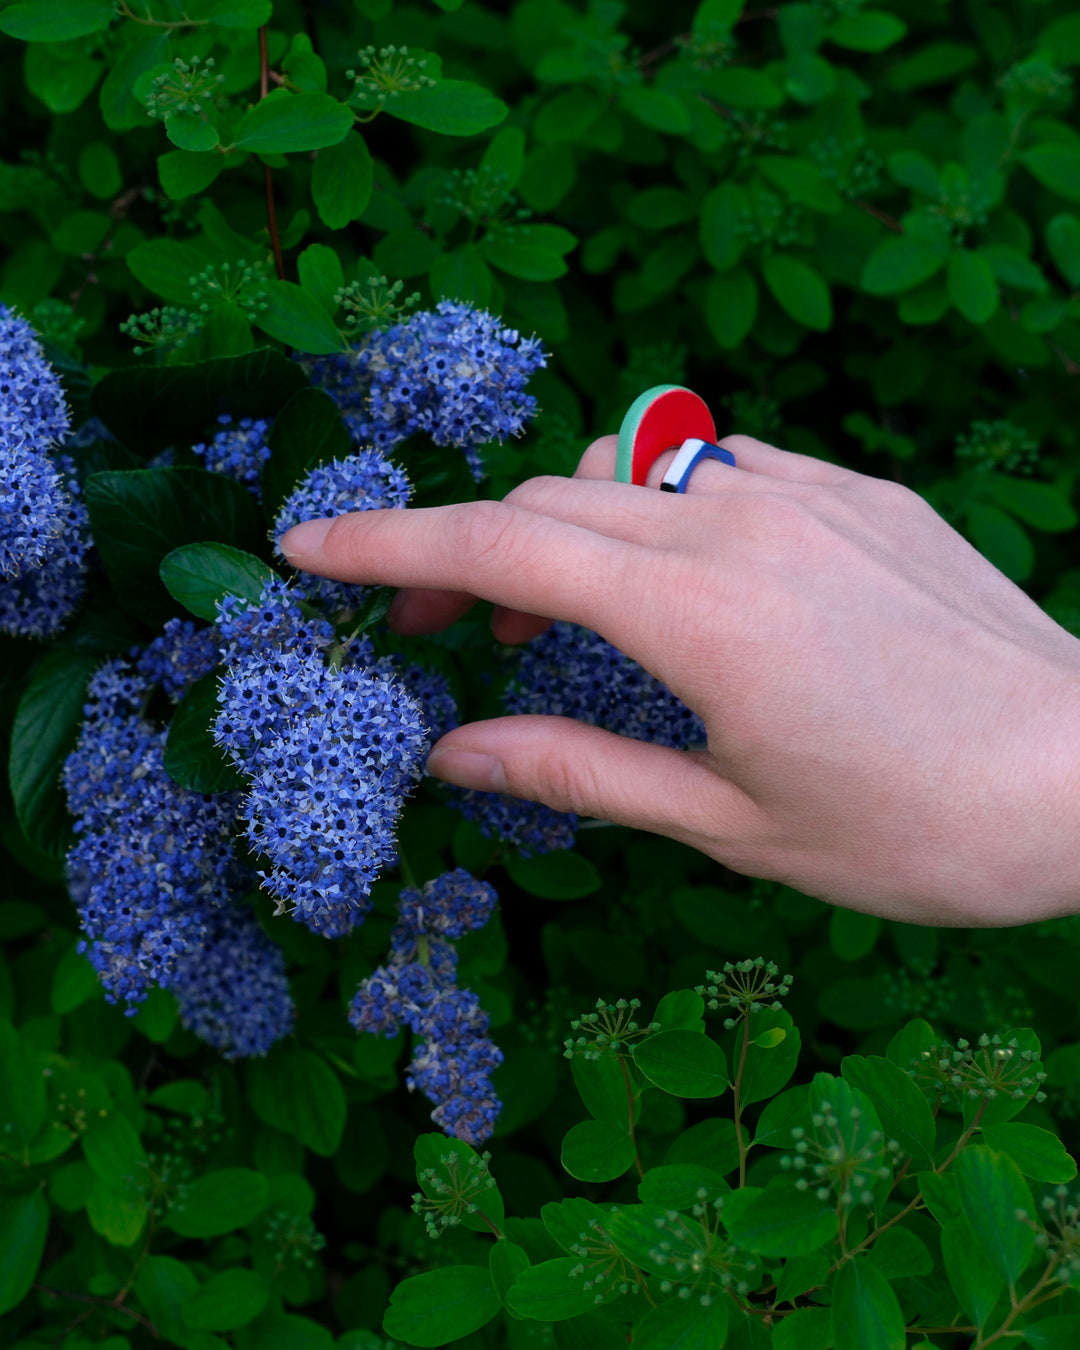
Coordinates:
column 99, row 1303
column 630, row 1114
column 271, row 210
column 889, row 221
column 149, row 21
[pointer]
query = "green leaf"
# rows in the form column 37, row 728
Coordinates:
column 904, row 1112
column 119, row 1216
column 723, row 238
column 769, row 1063
column 452, row 107
column 200, row 575
column 406, row 253
column 227, row 1301
column 566, row 1220
column 900, row 264
column 683, row 1324
column 683, row 1063
column 1054, row 1333
column 47, row 722
column 659, row 208
column 435, row 1174
column 1040, row 505
column 782, row 1221
column 596, row 1150
column 992, row 1189
column 183, row 173
column 192, row 759
column 548, row 1292
column 277, row 1333
column 321, row 275
column 1001, row 540
column 113, row 1150
column 24, row 1226
column 561, row 874
column 120, row 109
column 804, row 1329
column 306, row 70
column 63, row 83
column 341, row 181
column 799, row 290
column 22, row 1088
column 1063, row 241
column 681, row 1010
column 169, row 405
column 972, row 285
column 56, row 20
column 441, row 1306
column 740, row 87
column 306, row 433
column 138, row 516
column 866, row 1314
column 192, row 131
column 1038, row 1153
column 168, row 266
column 783, row 1114
column 935, row 63
column 294, row 1090
column 731, row 305
column 852, row 935
column 1055, row 164
column 232, row 13
column 656, row 108
column 532, row 252
column 898, row 1254
column 912, row 169
column 506, row 1262
column 220, row 1202
column 504, row 158
column 283, row 123
column 680, row 1186
column 808, row 78
column 164, row 1287
column 802, row 182
column 974, row 1280
column 75, row 981
column 588, row 1333
column 462, row 274
column 299, row 320
column 871, row 30
column 604, row 1088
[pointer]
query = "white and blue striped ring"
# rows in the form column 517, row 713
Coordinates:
column 690, row 455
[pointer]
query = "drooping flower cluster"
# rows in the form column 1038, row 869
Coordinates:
column 332, row 744
column 238, row 451
column 33, row 419
column 365, row 481
column 182, row 654
column 154, row 873
column 453, row 1058
column 44, row 528
column 572, row 672
column 455, row 373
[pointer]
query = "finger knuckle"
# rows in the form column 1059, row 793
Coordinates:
column 569, row 783
column 487, row 534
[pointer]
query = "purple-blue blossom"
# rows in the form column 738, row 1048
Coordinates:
column 40, row 601
column 455, row 373
column 453, row 1057
column 528, row 827
column 181, row 654
column 331, row 747
column 238, row 451
column 364, row 481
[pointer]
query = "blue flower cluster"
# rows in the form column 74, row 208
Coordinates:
column 182, row 654
column 572, row 672
column 40, row 601
column 154, row 874
column 332, row 745
column 365, row 481
column 453, row 1057
column 454, row 373
column 33, row 419
column 239, row 451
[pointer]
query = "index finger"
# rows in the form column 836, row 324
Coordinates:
column 493, row 550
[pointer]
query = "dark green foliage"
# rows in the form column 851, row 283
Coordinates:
column 856, row 231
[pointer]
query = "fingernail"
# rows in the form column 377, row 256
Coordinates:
column 305, row 538
column 467, row 769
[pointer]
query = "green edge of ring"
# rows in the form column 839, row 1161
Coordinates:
column 624, row 462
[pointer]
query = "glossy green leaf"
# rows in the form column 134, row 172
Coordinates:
column 866, row 1313
column 284, row 122
column 306, row 433
column 898, row 265
column 804, row 1329
column 683, row 1325
column 201, row 575
column 192, row 759
column 904, row 1112
column 782, row 1221
column 975, row 1281
column 442, row 1305
column 1056, row 165
column 549, row 1292
column 1040, row 505
column 1053, row 1333
column 992, row 1189
column 183, row 173
column 507, row 1262
column 1063, row 241
column 683, row 1063
column 299, row 320
column 56, row 20
column 561, row 874
column 769, row 1062
column 799, row 290
column 731, row 306
column 532, row 252
column 341, row 181
column 452, row 107
column 852, row 934
column 740, row 87
column 1000, row 539
column 723, row 238
column 972, row 285
column 440, row 1160
column 680, row 1186
column 1038, row 1153
column 870, row 30
column 192, row 131
column 24, row 1226
column 75, row 982
column 597, row 1150
column 227, row 1301
column 801, row 181
column 297, row 1092
column 681, row 1010
column 220, row 1202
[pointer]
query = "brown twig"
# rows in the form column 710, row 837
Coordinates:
column 99, row 1303
column 271, row 210
column 118, row 212
column 890, row 221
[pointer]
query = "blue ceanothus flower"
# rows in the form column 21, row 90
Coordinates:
column 453, row 1056
column 332, row 743
column 572, row 672
column 364, row 481
column 33, row 419
column 456, row 374
column 238, row 451
column 154, row 872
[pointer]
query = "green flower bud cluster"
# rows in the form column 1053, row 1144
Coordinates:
column 162, row 330
column 831, row 10
column 697, row 1259
column 753, row 414
column 1060, row 1238
column 746, row 986
column 709, row 47
column 607, row 1031
column 165, row 1182
column 482, row 196
column 832, row 1162
column 371, row 302
column 992, row 1068
column 654, row 363
column 57, row 323
column 446, row 1198
column 917, row 995
column 607, row 1271
column 771, row 221
column 242, row 284
column 190, row 86
column 1037, row 80
column 295, row 1237
column 998, row 445
column 385, row 74
column 851, row 167
column 757, row 131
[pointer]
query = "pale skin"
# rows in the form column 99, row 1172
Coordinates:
column 892, row 724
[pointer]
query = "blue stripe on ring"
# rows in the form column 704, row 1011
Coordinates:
column 684, row 471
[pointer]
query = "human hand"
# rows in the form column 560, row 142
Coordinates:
column 891, row 722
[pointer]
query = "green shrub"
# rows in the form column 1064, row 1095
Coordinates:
column 856, row 232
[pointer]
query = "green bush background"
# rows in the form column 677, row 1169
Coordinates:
column 856, row 232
